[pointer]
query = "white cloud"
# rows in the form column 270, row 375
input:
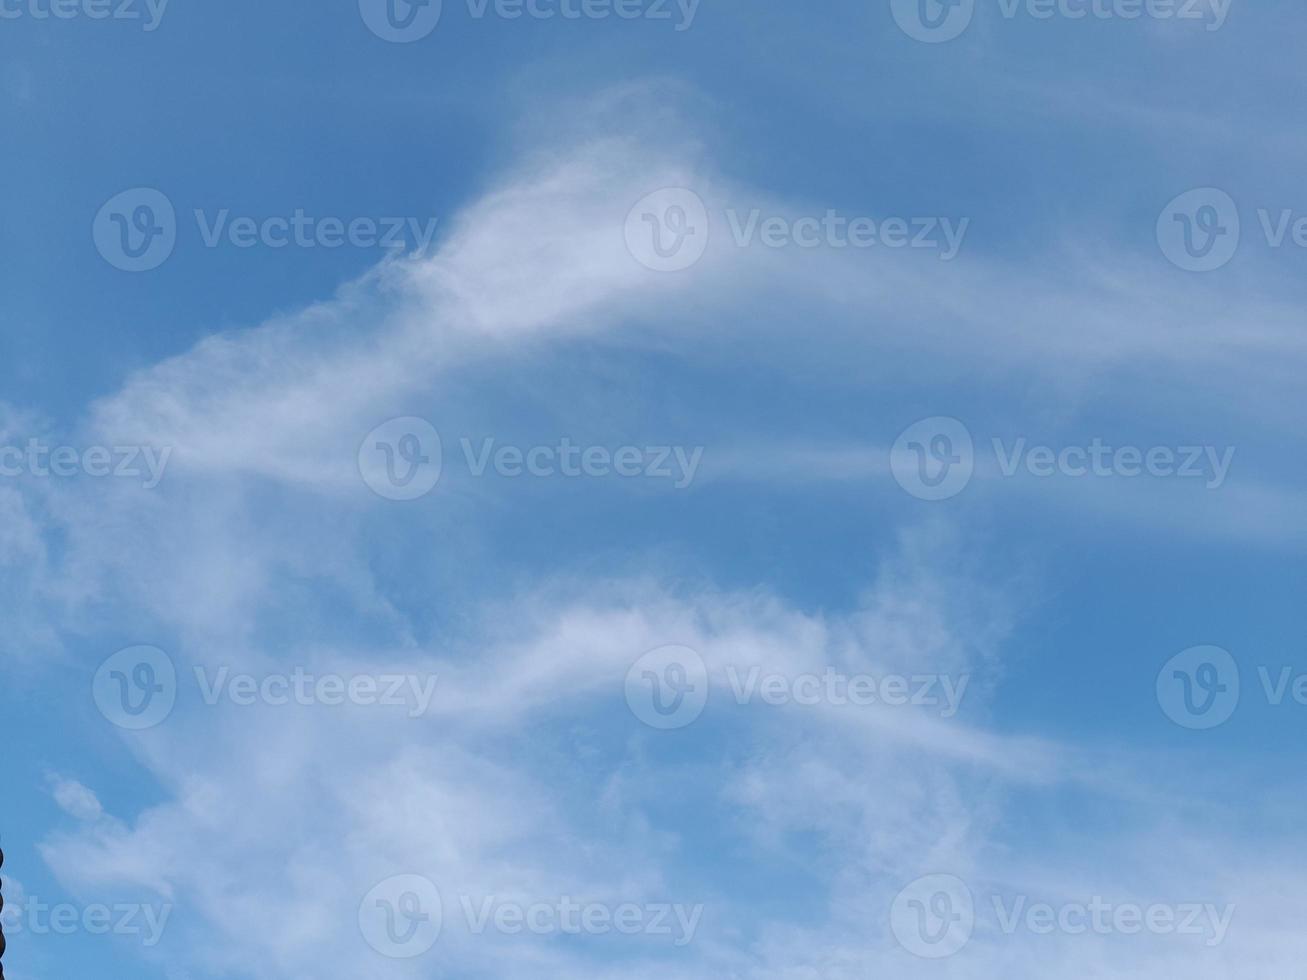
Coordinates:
column 261, row 550
column 75, row 799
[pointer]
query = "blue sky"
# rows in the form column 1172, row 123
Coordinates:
column 767, row 355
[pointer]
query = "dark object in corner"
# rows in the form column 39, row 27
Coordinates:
column 2, row 928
